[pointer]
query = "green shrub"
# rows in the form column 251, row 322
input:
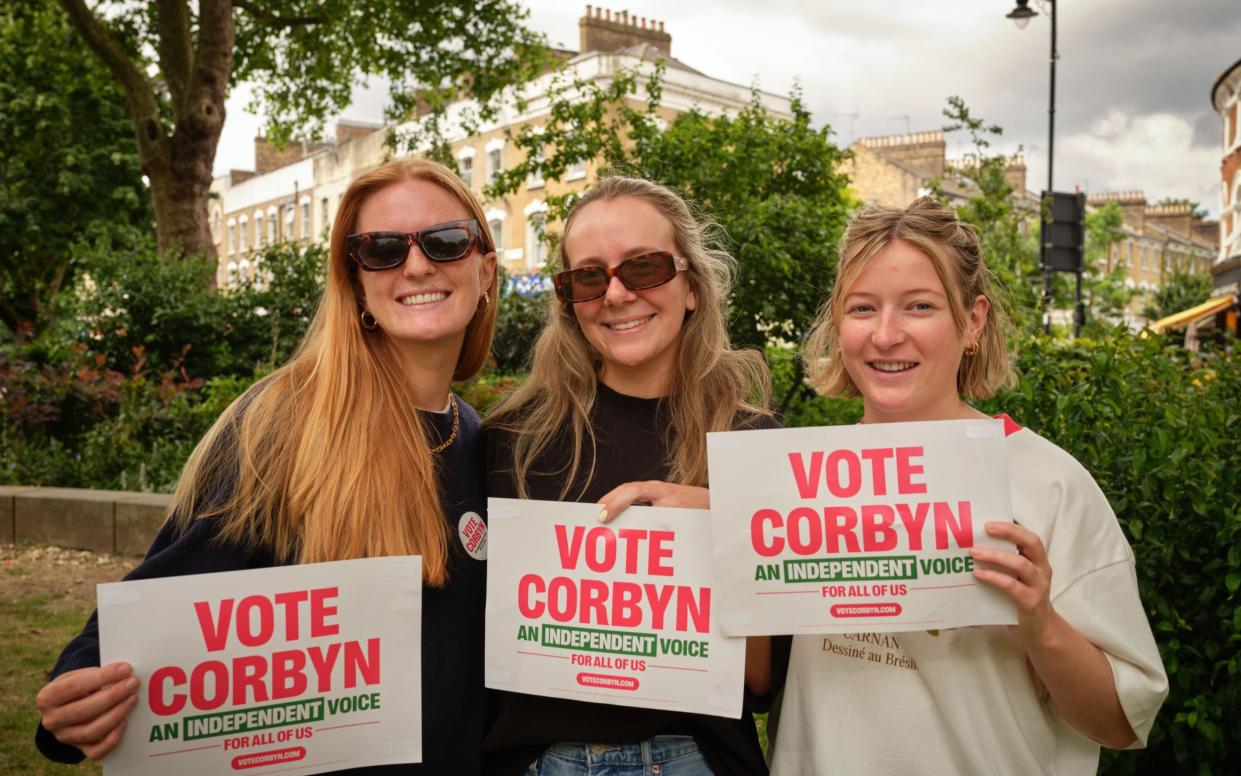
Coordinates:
column 796, row 403
column 132, row 304
column 1158, row 428
column 518, row 324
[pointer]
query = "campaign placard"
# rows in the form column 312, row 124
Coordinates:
column 622, row 613
column 857, row 528
column 308, row 669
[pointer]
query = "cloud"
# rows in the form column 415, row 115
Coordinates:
column 1154, row 153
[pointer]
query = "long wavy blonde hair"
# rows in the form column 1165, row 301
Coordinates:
column 711, row 382
column 952, row 246
column 326, row 459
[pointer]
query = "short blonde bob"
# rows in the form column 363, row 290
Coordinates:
column 953, row 249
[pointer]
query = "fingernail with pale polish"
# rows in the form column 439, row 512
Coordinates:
column 603, row 515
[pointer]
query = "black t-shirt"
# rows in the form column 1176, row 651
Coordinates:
column 629, row 447
column 453, row 697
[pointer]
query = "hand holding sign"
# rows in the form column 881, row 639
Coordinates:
column 607, row 614
column 655, row 493
column 313, row 667
column 865, row 527
column 88, row 708
column 1028, row 582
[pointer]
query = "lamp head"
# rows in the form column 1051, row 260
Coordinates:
column 1022, row 14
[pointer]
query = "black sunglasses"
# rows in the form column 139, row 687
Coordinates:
column 641, row 272
column 451, row 241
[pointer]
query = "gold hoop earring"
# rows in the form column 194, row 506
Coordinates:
column 368, row 321
column 973, row 349
column 486, row 299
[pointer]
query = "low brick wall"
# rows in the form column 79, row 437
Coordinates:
column 115, row 521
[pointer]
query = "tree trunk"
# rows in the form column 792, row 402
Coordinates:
column 195, row 73
column 180, row 183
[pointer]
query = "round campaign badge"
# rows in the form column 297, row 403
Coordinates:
column 473, row 532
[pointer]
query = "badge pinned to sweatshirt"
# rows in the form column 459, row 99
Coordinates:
column 473, row 533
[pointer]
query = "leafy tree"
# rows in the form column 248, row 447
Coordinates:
column 1179, row 291
column 1107, row 296
column 1001, row 215
column 770, row 183
column 302, row 58
column 69, row 174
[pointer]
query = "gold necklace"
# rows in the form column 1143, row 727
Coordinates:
column 456, row 422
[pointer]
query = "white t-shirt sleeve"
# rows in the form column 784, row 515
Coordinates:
column 1094, row 583
column 1104, row 607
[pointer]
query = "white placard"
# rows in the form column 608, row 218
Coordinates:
column 857, row 528
column 622, row 613
column 305, row 669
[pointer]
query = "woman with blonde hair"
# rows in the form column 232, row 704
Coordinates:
column 631, row 371
column 914, row 327
column 355, row 448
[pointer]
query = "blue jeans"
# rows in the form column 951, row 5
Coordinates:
column 660, row 756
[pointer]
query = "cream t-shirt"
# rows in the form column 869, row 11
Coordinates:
column 963, row 701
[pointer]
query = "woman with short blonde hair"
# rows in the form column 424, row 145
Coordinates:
column 914, row 327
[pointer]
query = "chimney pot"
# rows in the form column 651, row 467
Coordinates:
column 624, row 17
column 661, row 25
column 607, row 14
column 588, row 11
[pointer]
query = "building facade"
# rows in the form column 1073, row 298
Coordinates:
column 894, row 170
column 1159, row 241
column 1226, row 99
column 293, row 193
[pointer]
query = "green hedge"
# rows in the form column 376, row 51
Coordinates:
column 1160, row 430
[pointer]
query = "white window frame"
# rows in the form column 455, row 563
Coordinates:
column 290, row 221
column 465, row 162
column 305, row 205
column 495, row 157
column 244, row 226
column 536, row 249
column 258, row 229
column 273, row 225
column 496, row 215
column 232, row 236
column 576, row 171
column 535, row 181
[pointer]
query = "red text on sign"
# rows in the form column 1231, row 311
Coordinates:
column 844, row 471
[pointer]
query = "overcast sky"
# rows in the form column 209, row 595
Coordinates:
column 1132, row 84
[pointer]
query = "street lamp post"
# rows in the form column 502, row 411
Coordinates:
column 1021, row 16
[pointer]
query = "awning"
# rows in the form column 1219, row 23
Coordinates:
column 1193, row 314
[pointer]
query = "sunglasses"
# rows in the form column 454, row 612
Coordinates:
column 638, row 273
column 451, row 241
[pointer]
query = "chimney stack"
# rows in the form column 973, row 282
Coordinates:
column 601, row 29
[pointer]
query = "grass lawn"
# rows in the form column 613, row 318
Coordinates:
column 46, row 594
column 32, row 632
